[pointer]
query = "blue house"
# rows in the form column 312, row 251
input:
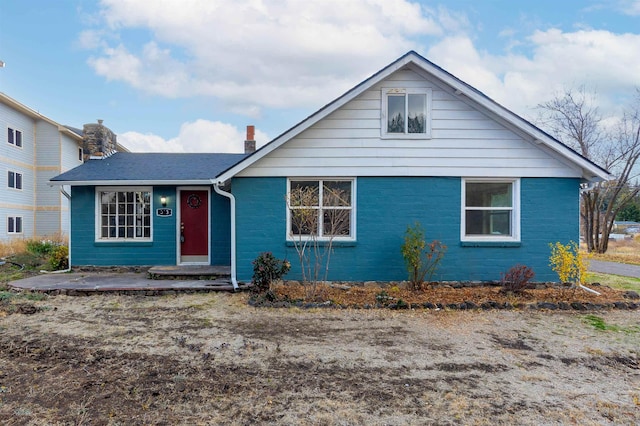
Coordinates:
column 412, row 143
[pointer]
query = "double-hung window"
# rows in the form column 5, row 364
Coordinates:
column 14, row 180
column 321, row 209
column 406, row 113
column 14, row 137
column 14, row 224
column 124, row 215
column 491, row 210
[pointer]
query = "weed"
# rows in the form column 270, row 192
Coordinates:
column 59, row 258
column 599, row 324
column 41, row 247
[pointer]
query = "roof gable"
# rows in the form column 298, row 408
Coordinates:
column 564, row 156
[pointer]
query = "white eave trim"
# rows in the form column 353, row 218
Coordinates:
column 199, row 182
column 539, row 136
column 594, row 173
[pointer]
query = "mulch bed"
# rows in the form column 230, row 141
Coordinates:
column 446, row 297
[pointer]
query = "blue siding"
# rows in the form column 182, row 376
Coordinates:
column 220, row 230
column 161, row 251
column 386, row 206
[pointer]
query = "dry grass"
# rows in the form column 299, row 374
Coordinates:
column 19, row 245
column 625, row 251
column 211, row 359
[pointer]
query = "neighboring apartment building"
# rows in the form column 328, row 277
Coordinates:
column 33, row 149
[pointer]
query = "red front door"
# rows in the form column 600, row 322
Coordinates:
column 194, row 226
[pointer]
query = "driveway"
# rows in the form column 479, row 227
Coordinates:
column 614, row 268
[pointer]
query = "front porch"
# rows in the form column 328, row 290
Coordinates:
column 153, row 281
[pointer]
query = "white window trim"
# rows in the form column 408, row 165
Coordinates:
column 14, row 225
column 98, row 213
column 352, row 230
column 15, row 180
column 15, row 131
column 386, row 91
column 515, row 209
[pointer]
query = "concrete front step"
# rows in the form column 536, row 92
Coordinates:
column 219, row 273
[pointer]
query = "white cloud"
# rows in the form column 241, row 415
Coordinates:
column 198, row 136
column 602, row 60
column 255, row 53
column 630, row 7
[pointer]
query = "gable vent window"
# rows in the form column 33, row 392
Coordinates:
column 406, row 113
column 14, row 137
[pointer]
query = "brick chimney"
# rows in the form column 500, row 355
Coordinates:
column 250, row 142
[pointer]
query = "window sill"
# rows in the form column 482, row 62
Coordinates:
column 123, row 243
column 504, row 244
column 321, row 243
column 416, row 136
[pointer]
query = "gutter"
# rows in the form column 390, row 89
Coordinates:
column 232, row 200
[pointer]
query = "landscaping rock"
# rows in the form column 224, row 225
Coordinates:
column 547, row 305
column 631, row 295
column 578, row 306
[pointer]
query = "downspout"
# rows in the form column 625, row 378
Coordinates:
column 232, row 201
column 68, row 196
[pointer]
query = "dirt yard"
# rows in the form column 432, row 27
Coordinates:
column 212, row 359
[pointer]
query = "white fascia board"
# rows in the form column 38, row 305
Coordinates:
column 538, row 135
column 206, row 182
column 314, row 118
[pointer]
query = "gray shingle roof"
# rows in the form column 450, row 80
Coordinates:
column 151, row 167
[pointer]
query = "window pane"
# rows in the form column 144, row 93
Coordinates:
column 125, row 214
column 488, row 222
column 18, row 138
column 416, row 116
column 10, row 135
column 12, row 180
column 18, row 180
column 337, row 222
column 18, row 225
column 11, row 224
column 304, row 193
column 336, row 193
column 304, row 221
column 395, row 114
column 488, row 194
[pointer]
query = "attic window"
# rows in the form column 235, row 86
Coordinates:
column 406, row 113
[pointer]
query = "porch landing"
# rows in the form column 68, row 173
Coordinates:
column 169, row 279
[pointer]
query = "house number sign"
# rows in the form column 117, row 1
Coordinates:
column 164, row 212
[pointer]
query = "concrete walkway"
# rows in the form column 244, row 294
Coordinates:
column 127, row 282
column 614, row 268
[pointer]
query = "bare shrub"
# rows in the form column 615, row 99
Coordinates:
column 516, row 279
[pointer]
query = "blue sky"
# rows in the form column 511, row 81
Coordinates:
column 189, row 75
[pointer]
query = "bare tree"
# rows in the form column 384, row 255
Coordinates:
column 306, row 217
column 574, row 119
